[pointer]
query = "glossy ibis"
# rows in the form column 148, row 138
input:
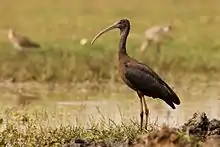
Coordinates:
column 139, row 76
column 20, row 42
column 155, row 35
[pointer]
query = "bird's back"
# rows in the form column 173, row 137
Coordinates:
column 156, row 33
column 153, row 31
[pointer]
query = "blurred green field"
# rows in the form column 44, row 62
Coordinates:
column 59, row 25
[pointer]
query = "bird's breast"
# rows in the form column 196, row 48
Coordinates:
column 121, row 67
column 10, row 36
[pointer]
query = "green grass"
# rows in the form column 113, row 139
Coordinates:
column 59, row 25
column 19, row 128
column 31, row 127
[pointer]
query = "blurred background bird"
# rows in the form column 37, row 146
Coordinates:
column 21, row 42
column 156, row 35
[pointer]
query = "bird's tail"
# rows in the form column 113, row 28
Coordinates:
column 171, row 98
column 35, row 45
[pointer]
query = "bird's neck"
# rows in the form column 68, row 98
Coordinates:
column 10, row 34
column 123, row 40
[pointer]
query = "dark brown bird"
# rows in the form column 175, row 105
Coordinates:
column 139, row 76
column 20, row 42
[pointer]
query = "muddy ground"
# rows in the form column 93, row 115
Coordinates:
column 197, row 131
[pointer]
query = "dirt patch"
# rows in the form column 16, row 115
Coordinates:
column 164, row 137
column 84, row 143
column 201, row 127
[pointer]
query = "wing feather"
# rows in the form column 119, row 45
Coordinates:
column 149, row 83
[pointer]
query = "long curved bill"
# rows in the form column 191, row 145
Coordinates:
column 104, row 31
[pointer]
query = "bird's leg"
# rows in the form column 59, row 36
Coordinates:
column 146, row 112
column 158, row 48
column 142, row 109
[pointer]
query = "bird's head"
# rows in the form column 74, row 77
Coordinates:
column 168, row 28
column 121, row 24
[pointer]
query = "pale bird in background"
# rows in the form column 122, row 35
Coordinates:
column 156, row 35
column 20, row 42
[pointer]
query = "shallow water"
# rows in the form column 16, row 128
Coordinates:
column 196, row 94
column 122, row 110
column 118, row 103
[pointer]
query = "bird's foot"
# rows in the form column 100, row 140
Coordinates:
column 147, row 118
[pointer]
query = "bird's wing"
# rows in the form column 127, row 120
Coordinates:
column 25, row 41
column 149, row 83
